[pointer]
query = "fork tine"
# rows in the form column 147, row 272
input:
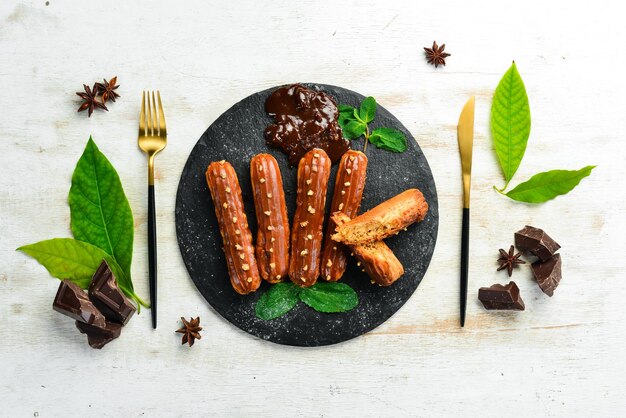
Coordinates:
column 150, row 131
column 162, row 128
column 142, row 115
column 154, row 116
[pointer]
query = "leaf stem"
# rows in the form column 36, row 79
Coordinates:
column 501, row 191
column 367, row 137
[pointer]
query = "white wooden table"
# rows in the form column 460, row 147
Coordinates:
column 563, row 356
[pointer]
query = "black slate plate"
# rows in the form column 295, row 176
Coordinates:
column 236, row 136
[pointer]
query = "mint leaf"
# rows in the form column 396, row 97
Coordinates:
column 346, row 114
column 67, row 258
column 329, row 297
column 548, row 185
column 100, row 213
column 354, row 129
column 277, row 301
column 510, row 122
column 389, row 139
column 367, row 110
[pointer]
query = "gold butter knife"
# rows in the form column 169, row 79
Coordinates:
column 465, row 132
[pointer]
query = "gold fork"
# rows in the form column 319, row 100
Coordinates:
column 152, row 139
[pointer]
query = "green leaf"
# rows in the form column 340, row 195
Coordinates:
column 367, row 111
column 330, row 297
column 277, row 301
column 67, row 258
column 548, row 185
column 100, row 213
column 510, row 122
column 389, row 139
column 354, row 129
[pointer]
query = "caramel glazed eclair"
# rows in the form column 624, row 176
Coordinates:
column 306, row 231
column 233, row 224
column 272, row 239
column 349, row 184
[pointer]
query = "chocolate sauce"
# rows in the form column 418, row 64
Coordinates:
column 305, row 119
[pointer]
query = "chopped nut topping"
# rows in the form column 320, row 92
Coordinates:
column 358, row 263
column 304, row 224
column 223, row 175
column 234, row 219
column 260, row 167
column 334, row 248
column 309, row 193
column 272, row 239
column 309, row 236
column 349, row 171
column 261, row 180
column 227, row 189
column 237, row 232
column 225, row 205
column 314, row 169
column 278, row 276
column 222, row 162
column 316, row 155
column 372, row 281
column 304, row 252
column 272, row 265
column 269, row 195
column 267, row 212
column 340, row 206
column 305, row 268
column 328, row 277
column 238, row 247
column 329, row 263
column 245, row 267
column 351, row 254
column 352, row 158
column 310, row 209
column 347, row 183
column 270, row 227
column 343, row 192
column 249, row 279
column 271, row 250
column 309, row 181
column 242, row 256
column 302, row 278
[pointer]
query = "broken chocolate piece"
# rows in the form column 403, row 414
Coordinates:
column 99, row 336
column 72, row 301
column 502, row 297
column 536, row 241
column 107, row 296
column 548, row 273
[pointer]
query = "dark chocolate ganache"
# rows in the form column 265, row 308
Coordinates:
column 304, row 119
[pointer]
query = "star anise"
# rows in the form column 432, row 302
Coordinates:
column 435, row 55
column 90, row 100
column 509, row 260
column 107, row 89
column 190, row 330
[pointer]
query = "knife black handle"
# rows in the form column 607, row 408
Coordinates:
column 152, row 261
column 464, row 262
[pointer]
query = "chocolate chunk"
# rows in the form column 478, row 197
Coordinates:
column 72, row 301
column 99, row 336
column 536, row 241
column 498, row 296
column 108, row 297
column 305, row 119
column 548, row 273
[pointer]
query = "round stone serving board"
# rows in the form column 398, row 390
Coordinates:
column 236, row 136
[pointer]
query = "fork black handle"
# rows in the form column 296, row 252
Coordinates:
column 464, row 262
column 152, row 260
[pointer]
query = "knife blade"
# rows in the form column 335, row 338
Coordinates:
column 465, row 133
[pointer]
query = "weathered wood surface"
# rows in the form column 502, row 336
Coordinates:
column 563, row 356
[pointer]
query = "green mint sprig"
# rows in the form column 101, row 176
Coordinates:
column 510, row 129
column 102, row 225
column 327, row 297
column 355, row 123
